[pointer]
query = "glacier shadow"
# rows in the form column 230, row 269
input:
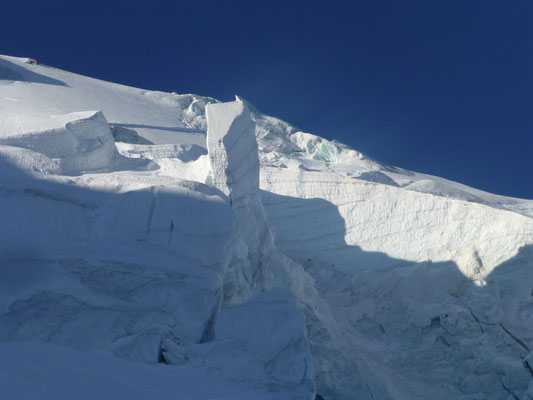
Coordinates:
column 313, row 230
column 161, row 128
column 125, row 248
column 10, row 72
column 39, row 215
column 127, row 135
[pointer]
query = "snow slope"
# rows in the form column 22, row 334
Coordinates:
column 36, row 371
column 144, row 228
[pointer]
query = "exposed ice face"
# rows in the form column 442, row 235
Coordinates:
column 256, row 263
column 341, row 219
column 232, row 152
column 322, row 149
column 190, row 108
column 232, row 149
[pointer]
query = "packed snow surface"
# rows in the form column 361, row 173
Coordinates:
column 163, row 245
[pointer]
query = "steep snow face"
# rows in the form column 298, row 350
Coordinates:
column 37, row 371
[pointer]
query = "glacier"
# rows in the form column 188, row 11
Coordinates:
column 172, row 245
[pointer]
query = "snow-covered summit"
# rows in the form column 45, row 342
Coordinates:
column 223, row 245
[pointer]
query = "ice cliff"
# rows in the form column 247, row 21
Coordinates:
column 143, row 271
column 234, row 170
column 234, row 166
column 184, row 247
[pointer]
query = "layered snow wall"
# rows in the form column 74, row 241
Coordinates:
column 428, row 294
column 125, row 272
column 338, row 220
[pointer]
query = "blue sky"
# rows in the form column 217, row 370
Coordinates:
column 441, row 87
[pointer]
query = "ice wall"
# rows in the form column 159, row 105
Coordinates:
column 341, row 221
column 256, row 265
column 124, row 272
column 124, row 261
column 431, row 297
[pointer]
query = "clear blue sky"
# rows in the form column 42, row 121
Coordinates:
column 442, row 87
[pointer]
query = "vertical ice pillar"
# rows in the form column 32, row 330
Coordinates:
column 232, row 148
column 234, row 161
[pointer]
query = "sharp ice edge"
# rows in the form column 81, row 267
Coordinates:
column 405, row 293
